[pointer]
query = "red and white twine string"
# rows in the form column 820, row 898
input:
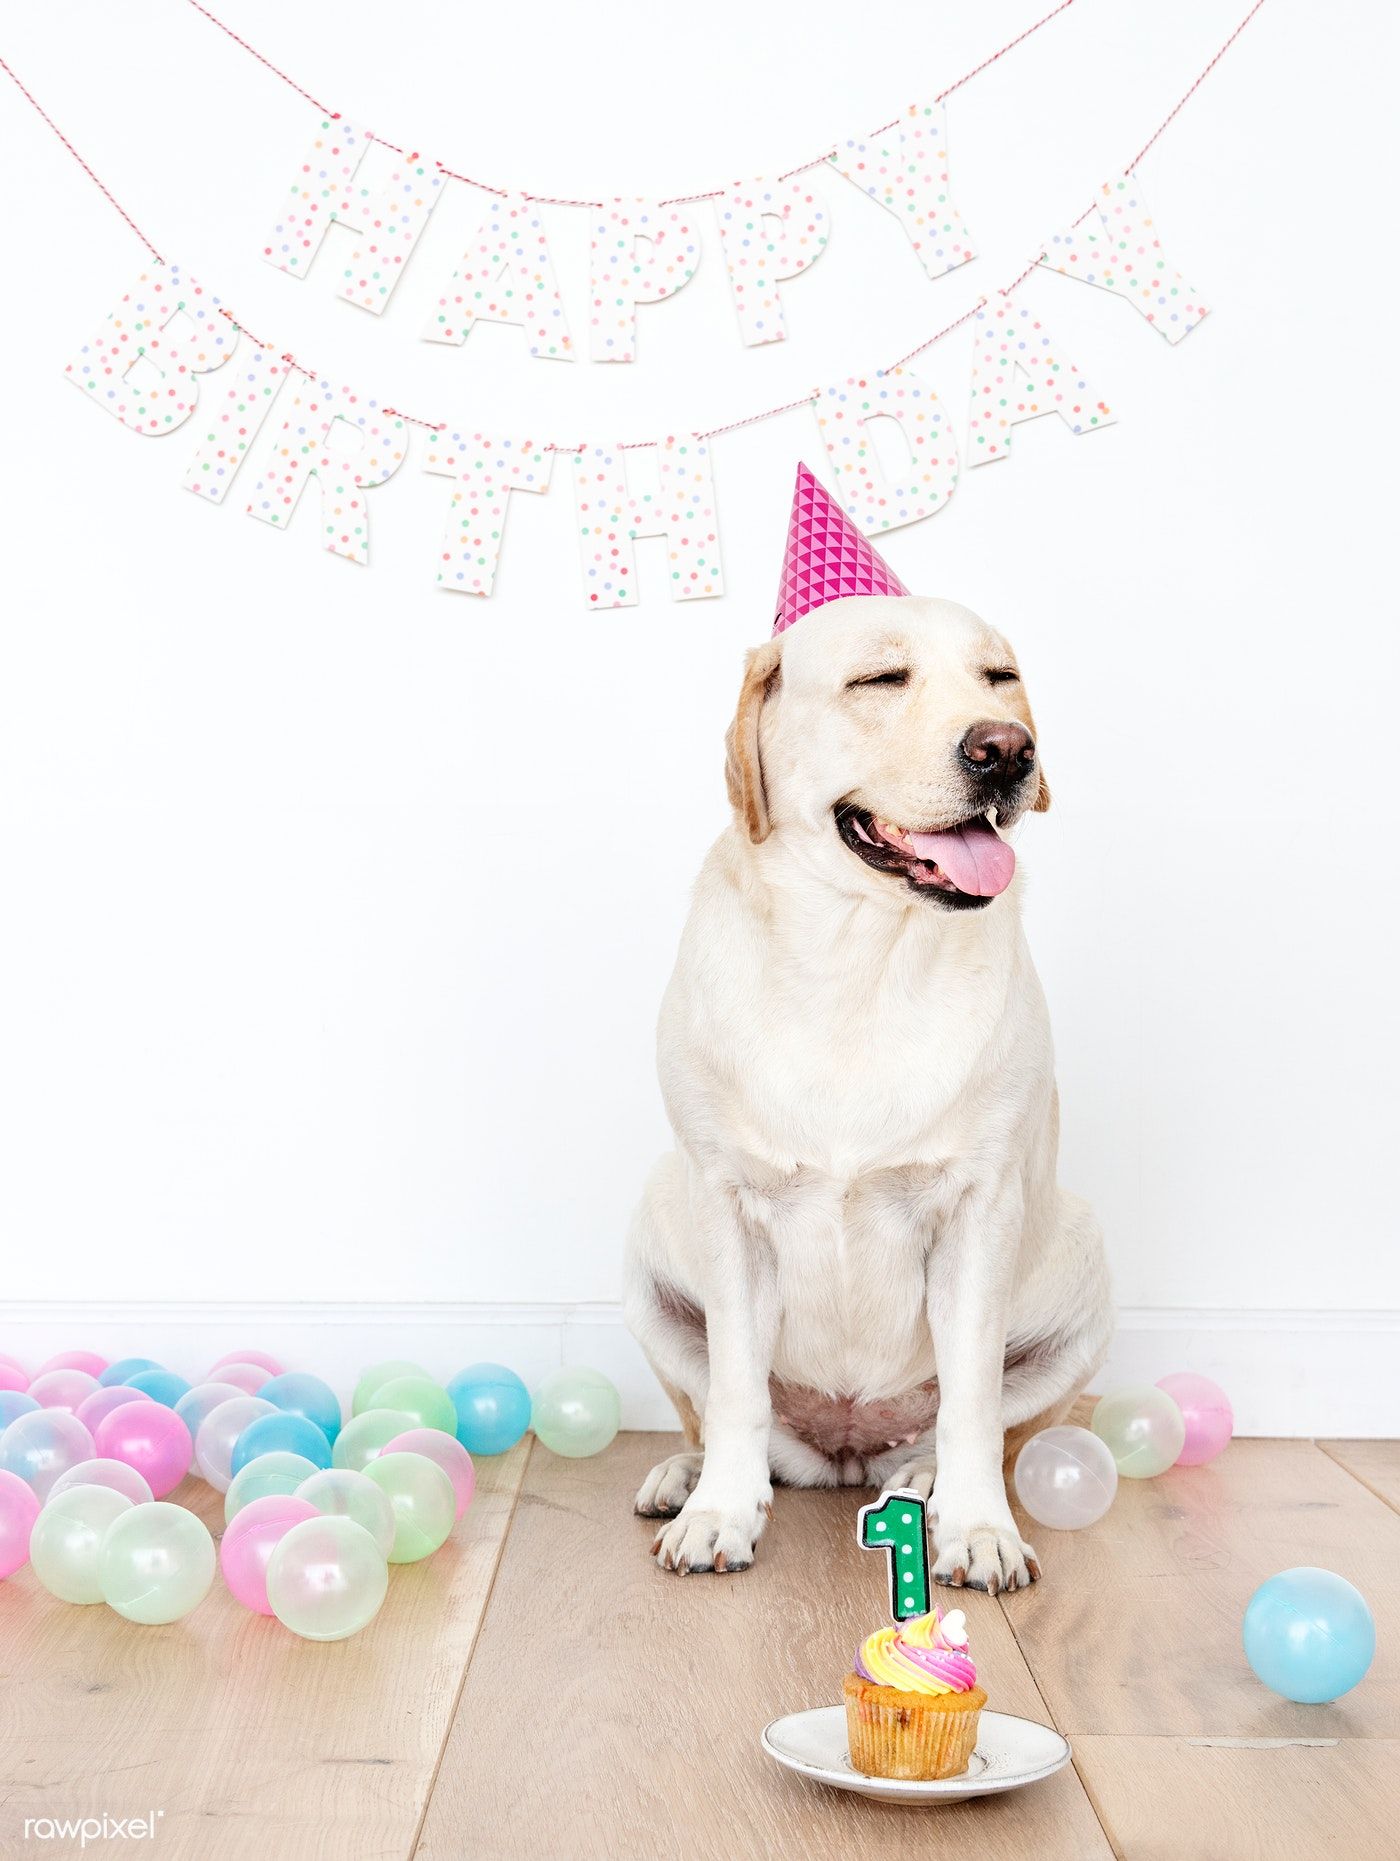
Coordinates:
column 732, row 426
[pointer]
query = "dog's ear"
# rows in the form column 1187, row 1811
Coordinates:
column 743, row 765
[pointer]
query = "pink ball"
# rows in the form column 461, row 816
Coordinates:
column 63, row 1389
column 19, row 1507
column 260, row 1358
column 11, row 1375
column 249, row 1377
column 445, row 1451
column 102, row 1401
column 250, row 1540
column 1206, row 1411
column 150, row 1438
column 74, row 1360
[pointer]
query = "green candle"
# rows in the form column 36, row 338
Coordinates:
column 895, row 1525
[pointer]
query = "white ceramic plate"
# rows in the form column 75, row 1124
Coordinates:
column 1010, row 1752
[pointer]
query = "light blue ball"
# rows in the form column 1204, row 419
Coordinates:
column 14, row 1402
column 125, row 1368
column 1309, row 1634
column 161, row 1386
column 493, row 1407
column 281, row 1433
column 301, row 1394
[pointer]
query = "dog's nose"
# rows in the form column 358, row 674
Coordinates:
column 999, row 755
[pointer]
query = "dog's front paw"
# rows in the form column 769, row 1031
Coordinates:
column 985, row 1557
column 704, row 1537
column 916, row 1475
column 667, row 1487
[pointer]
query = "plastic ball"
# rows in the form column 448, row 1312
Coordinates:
column 425, row 1506
column 150, row 1438
column 1206, row 1411
column 260, row 1358
column 1143, row 1428
column 447, row 1452
column 360, row 1440
column 42, row 1445
column 371, row 1380
column 493, row 1407
column 280, row 1433
column 13, row 1362
column 249, row 1377
column 74, row 1360
column 247, row 1546
column 63, row 1389
column 19, row 1507
column 15, row 1402
column 156, row 1562
column 341, row 1493
column 576, row 1412
column 273, row 1475
column 67, row 1540
column 102, row 1401
column 200, row 1402
column 218, row 1434
column 162, row 1386
column 13, row 1377
column 124, row 1367
column 1309, row 1634
column 326, row 1579
column 301, row 1394
column 1065, row 1478
column 426, row 1403
column 114, row 1474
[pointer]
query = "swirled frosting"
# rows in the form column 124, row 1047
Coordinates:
column 925, row 1655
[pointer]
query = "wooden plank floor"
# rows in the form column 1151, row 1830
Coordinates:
column 539, row 1687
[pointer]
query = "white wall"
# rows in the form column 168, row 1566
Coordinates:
column 338, row 908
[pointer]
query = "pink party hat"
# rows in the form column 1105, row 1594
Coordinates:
column 827, row 557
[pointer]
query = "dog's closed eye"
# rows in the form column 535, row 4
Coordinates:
column 1001, row 675
column 900, row 676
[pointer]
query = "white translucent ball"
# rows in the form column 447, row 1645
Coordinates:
column 1066, row 1478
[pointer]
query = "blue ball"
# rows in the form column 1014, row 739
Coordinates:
column 161, row 1386
column 1309, row 1635
column 125, row 1368
column 270, row 1434
column 493, row 1407
column 14, row 1402
column 301, row 1394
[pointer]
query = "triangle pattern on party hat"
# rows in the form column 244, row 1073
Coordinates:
column 827, row 558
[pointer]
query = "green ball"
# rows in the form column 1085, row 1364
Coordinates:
column 156, row 1563
column 425, row 1506
column 279, row 1471
column 67, row 1541
column 1142, row 1427
column 371, row 1379
column 360, row 1440
column 341, row 1493
column 326, row 1579
column 576, row 1412
column 419, row 1396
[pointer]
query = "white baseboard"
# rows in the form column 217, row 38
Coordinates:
column 1287, row 1373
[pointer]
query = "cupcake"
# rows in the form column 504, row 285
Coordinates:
column 913, row 1702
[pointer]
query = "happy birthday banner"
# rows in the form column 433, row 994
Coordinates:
column 146, row 366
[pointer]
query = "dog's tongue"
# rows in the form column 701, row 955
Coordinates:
column 973, row 856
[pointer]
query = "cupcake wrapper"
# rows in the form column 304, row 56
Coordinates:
column 903, row 1742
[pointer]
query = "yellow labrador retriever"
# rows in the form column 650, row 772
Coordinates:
column 858, row 1253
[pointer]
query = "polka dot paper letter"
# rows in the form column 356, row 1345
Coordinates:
column 144, row 364
column 611, row 517
column 641, row 253
column 1117, row 248
column 905, row 169
column 770, row 230
column 319, row 421
column 487, row 471
column 1018, row 374
column 235, row 409
column 506, row 276
column 389, row 218
column 874, row 502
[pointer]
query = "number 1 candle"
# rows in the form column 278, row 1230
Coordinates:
column 895, row 1524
